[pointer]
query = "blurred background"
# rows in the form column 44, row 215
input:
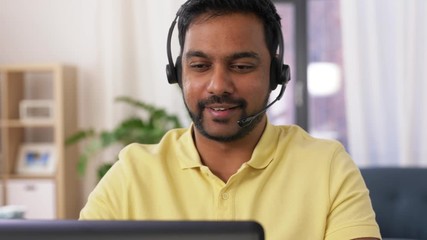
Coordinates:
column 358, row 67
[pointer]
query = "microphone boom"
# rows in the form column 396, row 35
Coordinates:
column 244, row 122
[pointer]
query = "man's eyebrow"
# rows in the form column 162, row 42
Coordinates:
column 201, row 54
column 239, row 55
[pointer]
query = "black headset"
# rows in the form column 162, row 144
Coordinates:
column 279, row 73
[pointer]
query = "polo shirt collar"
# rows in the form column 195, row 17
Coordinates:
column 187, row 153
column 264, row 151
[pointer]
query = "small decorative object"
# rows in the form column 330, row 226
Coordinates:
column 36, row 159
column 12, row 212
column 36, row 110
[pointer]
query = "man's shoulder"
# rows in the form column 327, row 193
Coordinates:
column 297, row 135
column 293, row 140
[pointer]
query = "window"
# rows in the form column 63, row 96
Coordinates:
column 315, row 96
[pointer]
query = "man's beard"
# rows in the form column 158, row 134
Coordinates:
column 197, row 118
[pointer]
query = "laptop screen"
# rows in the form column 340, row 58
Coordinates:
column 130, row 230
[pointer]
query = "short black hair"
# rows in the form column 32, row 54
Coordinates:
column 264, row 9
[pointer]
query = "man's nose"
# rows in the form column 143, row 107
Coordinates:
column 221, row 81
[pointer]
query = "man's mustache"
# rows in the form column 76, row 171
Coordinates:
column 221, row 99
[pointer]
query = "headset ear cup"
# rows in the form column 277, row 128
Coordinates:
column 178, row 70
column 274, row 73
column 173, row 73
column 279, row 73
column 285, row 74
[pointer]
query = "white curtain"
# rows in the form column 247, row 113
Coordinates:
column 385, row 61
column 131, row 61
column 132, row 56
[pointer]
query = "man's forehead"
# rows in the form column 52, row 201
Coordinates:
column 229, row 36
column 231, row 56
column 211, row 16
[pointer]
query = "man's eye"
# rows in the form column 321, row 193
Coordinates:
column 199, row 66
column 242, row 67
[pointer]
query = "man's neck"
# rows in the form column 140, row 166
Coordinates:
column 225, row 158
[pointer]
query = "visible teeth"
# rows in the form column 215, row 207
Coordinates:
column 219, row 109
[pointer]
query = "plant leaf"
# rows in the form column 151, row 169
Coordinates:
column 103, row 169
column 79, row 136
column 82, row 164
column 148, row 130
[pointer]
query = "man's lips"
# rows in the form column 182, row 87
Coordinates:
column 222, row 108
column 221, row 111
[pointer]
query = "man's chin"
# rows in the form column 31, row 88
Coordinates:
column 225, row 134
column 220, row 137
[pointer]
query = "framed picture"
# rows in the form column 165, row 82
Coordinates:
column 36, row 159
column 36, row 110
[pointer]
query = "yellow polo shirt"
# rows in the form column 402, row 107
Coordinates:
column 296, row 186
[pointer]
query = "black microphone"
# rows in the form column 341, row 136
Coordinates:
column 244, row 122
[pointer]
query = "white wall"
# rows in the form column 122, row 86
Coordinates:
column 46, row 31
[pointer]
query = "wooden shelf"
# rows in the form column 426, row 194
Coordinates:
column 56, row 83
column 18, row 68
column 23, row 124
column 30, row 177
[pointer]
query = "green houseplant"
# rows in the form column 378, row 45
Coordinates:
column 133, row 129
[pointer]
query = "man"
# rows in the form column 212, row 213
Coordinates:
column 296, row 186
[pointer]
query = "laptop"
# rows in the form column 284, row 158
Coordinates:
column 130, row 230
